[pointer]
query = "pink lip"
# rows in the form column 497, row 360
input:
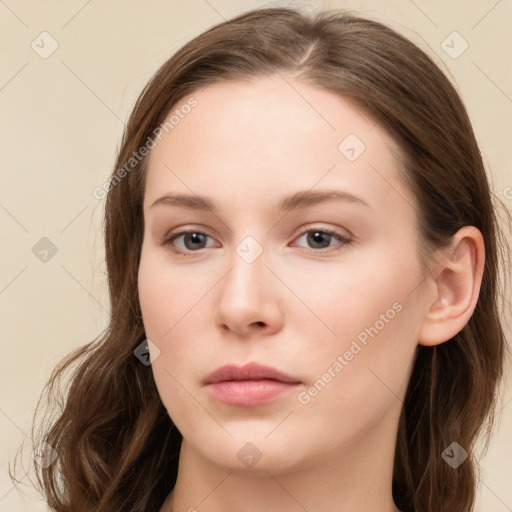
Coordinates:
column 249, row 385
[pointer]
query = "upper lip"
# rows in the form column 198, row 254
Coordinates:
column 250, row 371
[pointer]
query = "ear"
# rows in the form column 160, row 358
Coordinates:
column 457, row 279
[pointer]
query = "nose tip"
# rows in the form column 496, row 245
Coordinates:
column 247, row 300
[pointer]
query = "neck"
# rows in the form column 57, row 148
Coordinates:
column 353, row 477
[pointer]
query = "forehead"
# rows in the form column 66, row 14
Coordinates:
column 273, row 133
column 276, row 110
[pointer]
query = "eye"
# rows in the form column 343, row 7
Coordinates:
column 320, row 238
column 194, row 240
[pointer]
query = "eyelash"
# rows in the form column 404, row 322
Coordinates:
column 168, row 240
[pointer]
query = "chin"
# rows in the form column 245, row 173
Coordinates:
column 254, row 455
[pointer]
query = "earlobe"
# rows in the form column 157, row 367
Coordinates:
column 457, row 281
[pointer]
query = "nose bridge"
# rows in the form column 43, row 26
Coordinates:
column 248, row 266
column 246, row 296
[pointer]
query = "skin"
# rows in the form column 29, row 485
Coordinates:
column 244, row 146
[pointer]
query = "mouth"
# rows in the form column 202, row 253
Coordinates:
column 249, row 385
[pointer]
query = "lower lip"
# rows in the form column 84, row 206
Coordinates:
column 249, row 392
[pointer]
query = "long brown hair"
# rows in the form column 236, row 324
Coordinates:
column 117, row 447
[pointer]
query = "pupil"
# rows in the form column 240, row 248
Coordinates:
column 195, row 237
column 317, row 237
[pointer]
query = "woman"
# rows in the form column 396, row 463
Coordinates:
column 334, row 342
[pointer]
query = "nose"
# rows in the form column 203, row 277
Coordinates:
column 249, row 298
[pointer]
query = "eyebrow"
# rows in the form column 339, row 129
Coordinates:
column 302, row 199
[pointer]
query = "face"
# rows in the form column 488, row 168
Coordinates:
column 327, row 292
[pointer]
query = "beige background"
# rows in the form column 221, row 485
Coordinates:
column 62, row 120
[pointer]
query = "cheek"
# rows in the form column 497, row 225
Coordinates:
column 166, row 294
column 362, row 292
column 172, row 302
column 375, row 320
column 164, row 301
column 357, row 379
